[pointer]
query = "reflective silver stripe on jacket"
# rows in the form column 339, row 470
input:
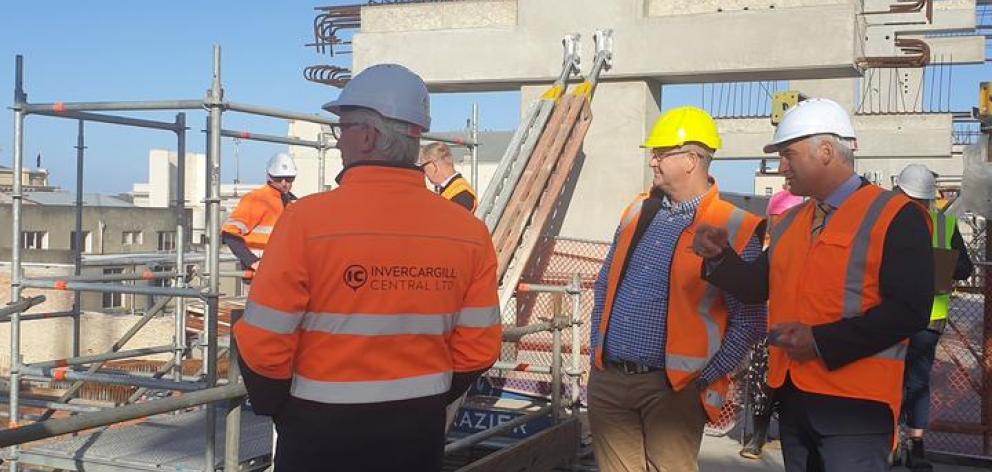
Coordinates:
column 854, row 281
column 237, row 224
column 270, row 319
column 370, row 391
column 378, row 325
column 479, row 317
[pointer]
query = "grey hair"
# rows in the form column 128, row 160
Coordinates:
column 845, row 147
column 704, row 153
column 393, row 140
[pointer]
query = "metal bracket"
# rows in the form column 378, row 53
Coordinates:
column 571, row 52
column 604, row 47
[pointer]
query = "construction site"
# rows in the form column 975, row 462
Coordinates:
column 118, row 357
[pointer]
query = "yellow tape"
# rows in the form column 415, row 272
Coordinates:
column 553, row 93
column 583, row 90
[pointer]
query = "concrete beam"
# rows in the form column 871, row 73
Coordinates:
column 923, row 136
column 510, row 43
column 957, row 49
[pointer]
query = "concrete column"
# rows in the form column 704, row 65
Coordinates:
column 615, row 167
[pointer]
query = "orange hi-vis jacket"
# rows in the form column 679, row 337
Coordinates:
column 376, row 291
column 255, row 217
column 697, row 313
column 829, row 279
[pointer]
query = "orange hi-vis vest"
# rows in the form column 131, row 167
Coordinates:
column 459, row 185
column 376, row 291
column 697, row 312
column 829, row 279
column 255, row 217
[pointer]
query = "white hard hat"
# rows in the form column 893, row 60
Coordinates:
column 390, row 89
column 810, row 117
column 918, row 182
column 281, row 165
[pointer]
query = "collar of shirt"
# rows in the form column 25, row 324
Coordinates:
column 842, row 193
column 443, row 185
column 687, row 207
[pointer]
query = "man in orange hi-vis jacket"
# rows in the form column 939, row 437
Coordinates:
column 376, row 305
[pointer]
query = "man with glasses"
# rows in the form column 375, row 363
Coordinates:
column 439, row 167
column 248, row 228
column 664, row 341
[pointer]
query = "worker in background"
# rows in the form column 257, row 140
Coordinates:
column 760, row 396
column 919, row 183
column 439, row 167
column 841, row 306
column 664, row 341
column 247, row 230
column 377, row 303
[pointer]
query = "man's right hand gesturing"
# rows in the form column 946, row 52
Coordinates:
column 709, row 241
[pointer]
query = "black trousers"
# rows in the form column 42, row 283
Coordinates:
column 405, row 435
column 821, row 433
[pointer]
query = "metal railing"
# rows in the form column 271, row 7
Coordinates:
column 570, row 320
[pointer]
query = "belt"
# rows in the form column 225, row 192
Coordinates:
column 629, row 367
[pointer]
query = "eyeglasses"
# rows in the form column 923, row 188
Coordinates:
column 284, row 179
column 338, row 128
column 423, row 165
column 656, row 153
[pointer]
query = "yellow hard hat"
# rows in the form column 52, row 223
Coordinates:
column 684, row 125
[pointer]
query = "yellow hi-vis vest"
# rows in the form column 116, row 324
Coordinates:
column 459, row 185
column 943, row 229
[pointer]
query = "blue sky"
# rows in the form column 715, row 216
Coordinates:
column 128, row 50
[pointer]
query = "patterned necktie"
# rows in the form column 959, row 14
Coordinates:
column 820, row 213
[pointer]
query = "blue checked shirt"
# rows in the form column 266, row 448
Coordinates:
column 638, row 324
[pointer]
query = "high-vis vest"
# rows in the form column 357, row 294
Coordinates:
column 697, row 312
column 255, row 217
column 373, row 292
column 943, row 229
column 829, row 279
column 459, row 185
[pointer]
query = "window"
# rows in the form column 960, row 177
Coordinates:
column 34, row 240
column 113, row 300
column 131, row 238
column 166, row 240
column 87, row 242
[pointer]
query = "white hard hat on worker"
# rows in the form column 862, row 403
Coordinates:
column 918, row 182
column 281, row 170
column 281, row 165
column 809, row 118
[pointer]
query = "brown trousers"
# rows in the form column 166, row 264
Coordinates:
column 639, row 423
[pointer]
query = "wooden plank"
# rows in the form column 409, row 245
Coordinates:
column 549, row 197
column 518, row 200
column 515, row 227
column 543, row 451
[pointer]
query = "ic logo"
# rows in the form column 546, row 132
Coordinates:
column 355, row 276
